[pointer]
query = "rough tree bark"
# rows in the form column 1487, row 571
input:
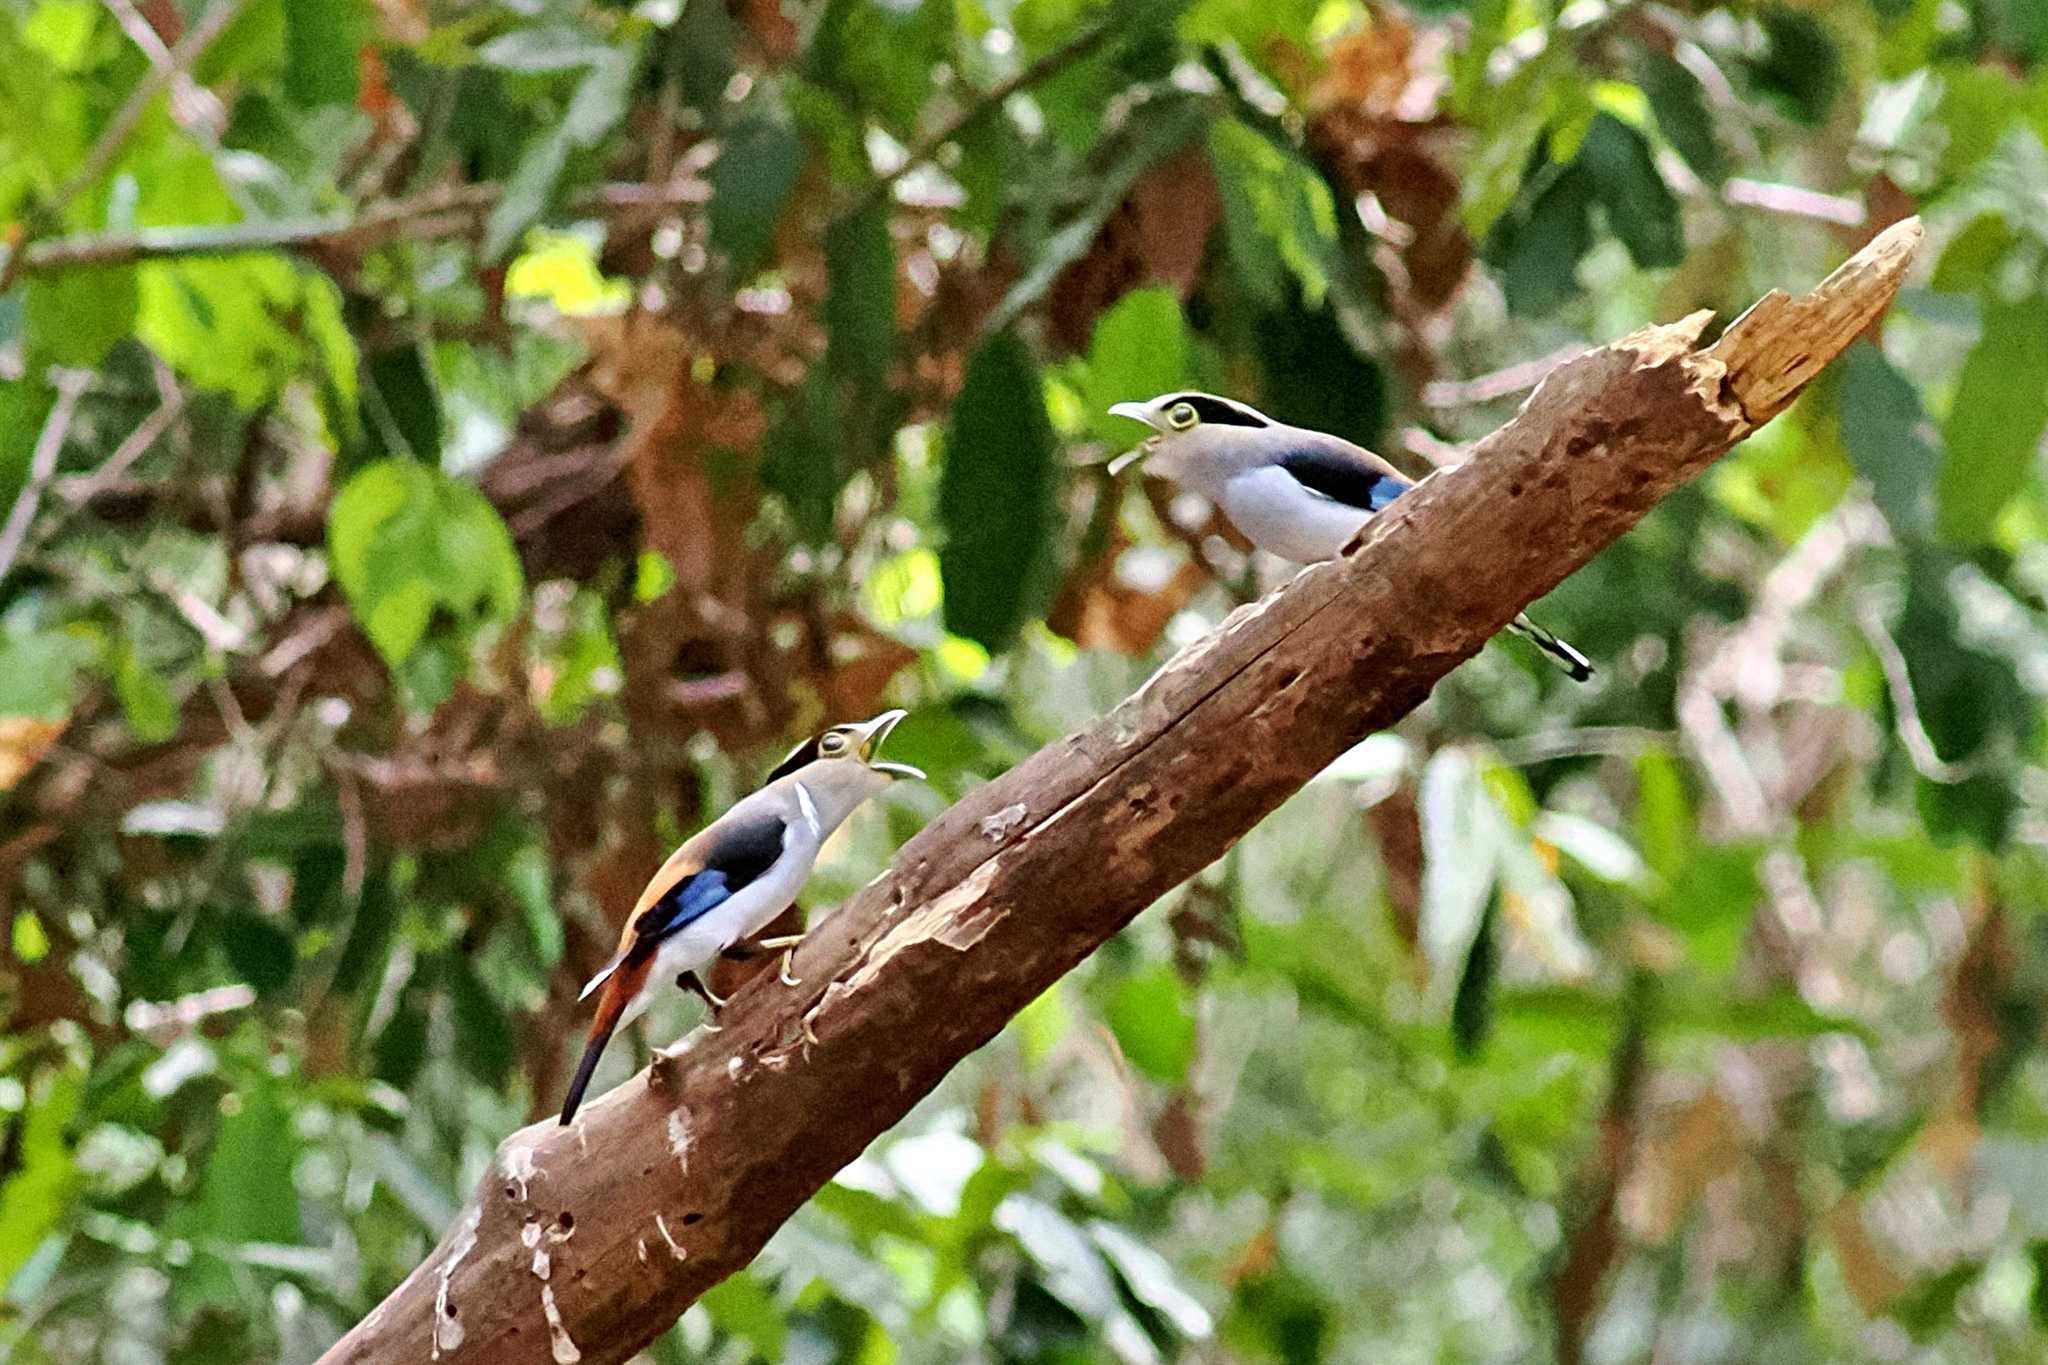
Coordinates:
column 584, row 1243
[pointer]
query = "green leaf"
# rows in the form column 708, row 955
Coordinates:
column 1139, row 351
column 406, row 539
column 860, row 302
column 601, row 98
column 542, row 48
column 1930, row 1306
column 1710, row 905
column 1536, row 245
column 42, row 1174
column 147, row 703
column 1680, row 105
column 402, row 404
column 1888, row 437
column 1970, row 261
column 995, row 496
column 1151, row 1279
column 751, row 181
column 528, row 193
column 322, row 41
column 1154, row 1024
column 1777, row 1014
column 39, row 671
column 1313, row 375
column 261, row 952
column 1640, row 206
column 1801, row 63
column 742, row 1307
column 253, row 44
column 75, row 317
column 1472, row 1007
column 484, row 1040
column 242, row 326
column 248, row 1194
column 1994, row 429
column 802, row 460
column 62, row 31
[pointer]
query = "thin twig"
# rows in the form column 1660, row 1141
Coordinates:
column 1919, row 745
column 1794, row 201
column 1503, row 383
column 85, row 487
column 196, row 109
column 115, row 135
column 71, row 384
column 437, row 213
column 1078, row 48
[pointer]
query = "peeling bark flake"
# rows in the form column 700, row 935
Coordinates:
column 679, row 1138
column 518, row 1165
column 558, row 1335
column 943, row 921
column 674, row 1250
column 529, row 1237
column 994, row 827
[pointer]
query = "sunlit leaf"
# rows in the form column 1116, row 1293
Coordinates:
column 248, row 1193
column 43, row 1175
column 1154, row 1024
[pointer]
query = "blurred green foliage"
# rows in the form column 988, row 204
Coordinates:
column 451, row 449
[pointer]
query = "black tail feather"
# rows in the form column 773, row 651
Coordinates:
column 1576, row 665
column 585, row 1069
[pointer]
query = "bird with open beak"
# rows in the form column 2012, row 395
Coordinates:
column 729, row 881
column 1295, row 493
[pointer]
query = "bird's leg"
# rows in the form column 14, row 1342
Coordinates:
column 788, row 944
column 740, row 952
column 690, row 981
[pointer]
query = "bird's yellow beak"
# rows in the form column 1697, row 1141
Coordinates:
column 871, row 736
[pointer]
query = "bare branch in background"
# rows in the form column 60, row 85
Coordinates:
column 436, row 213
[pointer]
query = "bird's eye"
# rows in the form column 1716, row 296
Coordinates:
column 832, row 745
column 1180, row 416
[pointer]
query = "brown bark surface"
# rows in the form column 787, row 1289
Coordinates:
column 584, row 1243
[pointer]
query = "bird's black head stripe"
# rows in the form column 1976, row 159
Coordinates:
column 1215, row 410
column 806, row 752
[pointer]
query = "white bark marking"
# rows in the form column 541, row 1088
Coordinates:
column 558, row 1335
column 447, row 1327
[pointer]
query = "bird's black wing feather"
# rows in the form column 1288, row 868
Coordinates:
column 1341, row 478
column 742, row 853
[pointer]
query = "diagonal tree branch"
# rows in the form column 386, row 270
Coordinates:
column 675, row 1180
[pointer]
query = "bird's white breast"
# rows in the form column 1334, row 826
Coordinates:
column 745, row 914
column 1283, row 518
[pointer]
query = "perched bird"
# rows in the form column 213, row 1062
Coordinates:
column 1296, row 493
column 730, row 879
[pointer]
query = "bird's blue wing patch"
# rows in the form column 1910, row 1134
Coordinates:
column 1385, row 491
column 738, row 853
column 690, row 898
